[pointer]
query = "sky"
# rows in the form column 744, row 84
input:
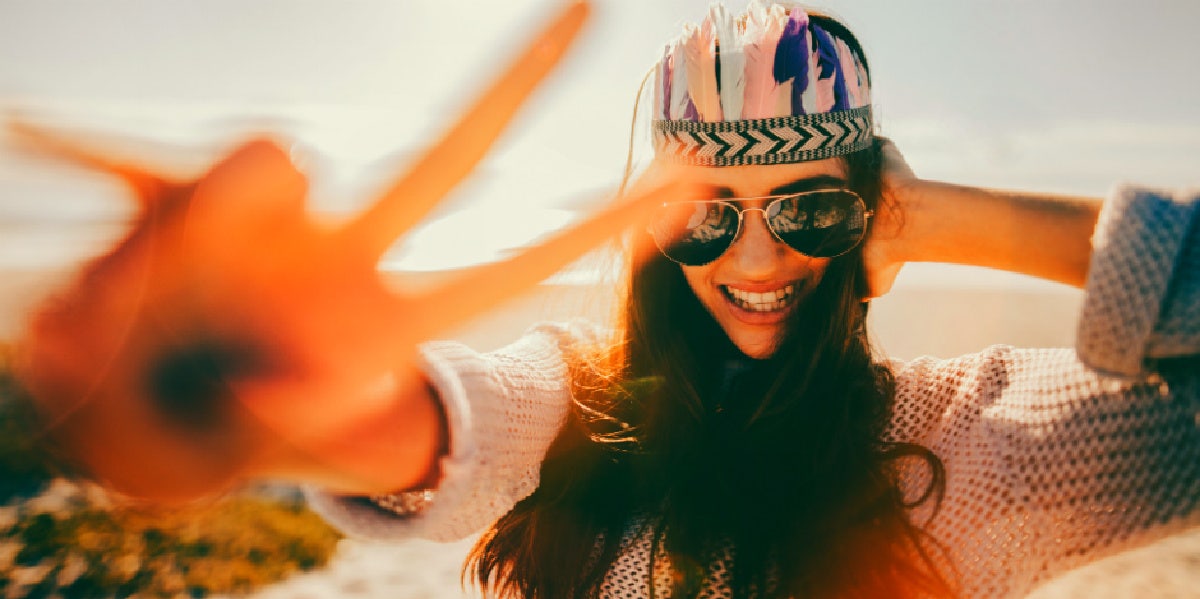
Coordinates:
column 1067, row 95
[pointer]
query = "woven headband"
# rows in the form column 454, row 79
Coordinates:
column 766, row 87
column 776, row 140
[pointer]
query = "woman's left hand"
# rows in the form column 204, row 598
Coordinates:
column 883, row 255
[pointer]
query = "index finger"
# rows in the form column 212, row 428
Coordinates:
column 482, row 288
column 427, row 180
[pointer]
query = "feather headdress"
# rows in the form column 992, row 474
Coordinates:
column 681, row 102
column 831, row 82
column 793, row 59
column 732, row 79
column 765, row 87
column 700, row 48
column 760, row 38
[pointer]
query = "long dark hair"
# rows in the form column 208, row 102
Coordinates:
column 777, row 469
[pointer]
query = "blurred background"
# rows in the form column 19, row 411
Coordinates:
column 1070, row 96
column 1061, row 95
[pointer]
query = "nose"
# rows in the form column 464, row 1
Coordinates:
column 756, row 252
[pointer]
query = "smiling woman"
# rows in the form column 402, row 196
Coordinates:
column 755, row 265
column 732, row 433
column 736, row 435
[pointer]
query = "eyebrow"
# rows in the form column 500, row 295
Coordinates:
column 809, row 184
column 797, row 186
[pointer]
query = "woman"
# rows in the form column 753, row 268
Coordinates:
column 735, row 435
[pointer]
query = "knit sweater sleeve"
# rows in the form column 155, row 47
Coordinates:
column 1143, row 289
column 503, row 410
column 1050, row 461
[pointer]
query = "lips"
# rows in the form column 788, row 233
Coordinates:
column 762, row 305
column 768, row 301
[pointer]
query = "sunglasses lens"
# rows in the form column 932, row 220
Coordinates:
column 694, row 233
column 821, row 224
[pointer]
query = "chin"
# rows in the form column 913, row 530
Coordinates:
column 758, row 350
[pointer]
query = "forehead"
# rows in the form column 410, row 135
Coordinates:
column 758, row 180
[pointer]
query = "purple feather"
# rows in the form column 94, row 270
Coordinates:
column 791, row 56
column 831, row 66
column 690, row 113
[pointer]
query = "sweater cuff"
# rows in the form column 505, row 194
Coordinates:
column 503, row 410
column 443, row 363
column 1141, row 292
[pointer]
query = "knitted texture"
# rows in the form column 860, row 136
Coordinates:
column 1049, row 464
column 503, row 410
column 1142, row 283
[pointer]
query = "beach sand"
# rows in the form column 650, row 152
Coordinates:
column 1168, row 569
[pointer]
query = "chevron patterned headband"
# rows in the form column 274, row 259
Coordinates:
column 766, row 87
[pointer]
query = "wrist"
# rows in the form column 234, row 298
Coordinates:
column 396, row 448
column 941, row 221
column 902, row 218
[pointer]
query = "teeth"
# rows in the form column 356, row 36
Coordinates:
column 761, row 302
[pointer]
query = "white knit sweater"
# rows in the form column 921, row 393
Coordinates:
column 1053, row 457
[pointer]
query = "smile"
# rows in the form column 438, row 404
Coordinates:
column 770, row 301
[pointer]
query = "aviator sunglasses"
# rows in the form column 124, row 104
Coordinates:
column 824, row 223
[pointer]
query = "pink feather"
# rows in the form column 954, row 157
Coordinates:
column 864, row 84
column 761, row 37
column 783, row 98
column 679, row 81
column 846, row 57
column 818, row 96
column 699, row 46
column 824, row 95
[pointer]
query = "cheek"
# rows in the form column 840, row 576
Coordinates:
column 816, row 268
column 699, row 279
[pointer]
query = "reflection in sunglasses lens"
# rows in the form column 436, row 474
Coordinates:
column 821, row 224
column 694, row 233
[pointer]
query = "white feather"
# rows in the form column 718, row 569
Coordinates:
column 700, row 44
column 733, row 62
column 658, row 106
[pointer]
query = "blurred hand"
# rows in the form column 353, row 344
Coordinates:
column 232, row 333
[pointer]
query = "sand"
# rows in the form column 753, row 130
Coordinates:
column 1168, row 569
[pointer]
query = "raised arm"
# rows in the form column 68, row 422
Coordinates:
column 234, row 333
column 1136, row 254
column 1043, row 235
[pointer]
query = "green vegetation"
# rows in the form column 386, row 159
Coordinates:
column 70, row 540
column 235, row 545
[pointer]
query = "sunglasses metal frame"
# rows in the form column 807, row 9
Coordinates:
column 735, row 204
